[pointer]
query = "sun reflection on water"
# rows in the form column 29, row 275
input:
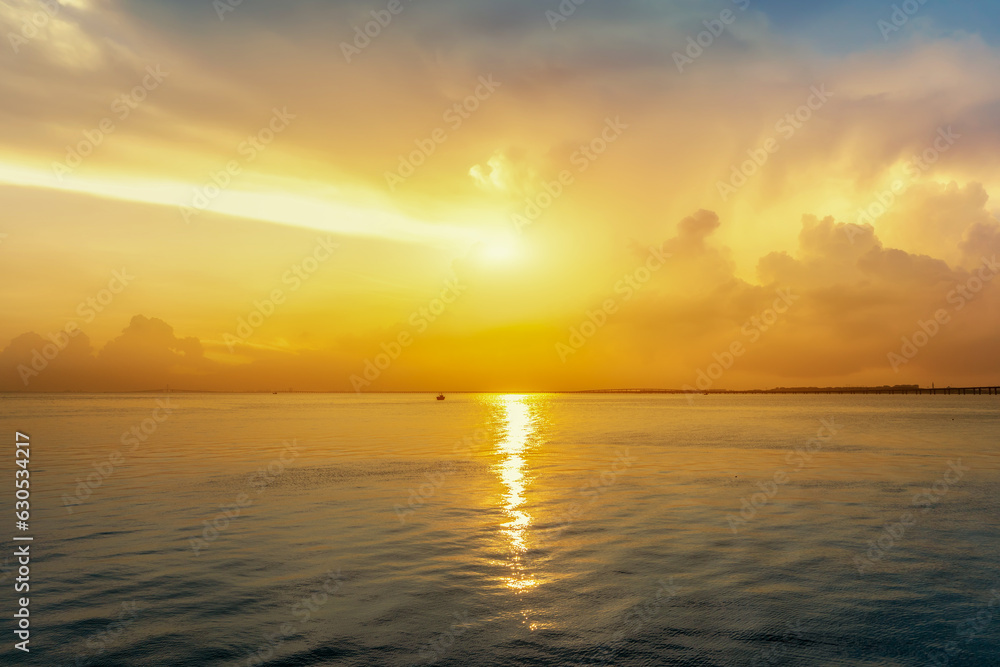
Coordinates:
column 519, row 431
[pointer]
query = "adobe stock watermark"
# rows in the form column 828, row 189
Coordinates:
column 363, row 35
column 466, row 448
column 88, row 310
column 786, row 126
column 258, row 483
column 218, row 181
column 101, row 641
column 900, row 16
column 301, row 611
column 969, row 629
column 435, row 649
column 32, row 26
column 455, row 116
column 582, row 158
column 697, row 45
column 636, row 618
column 121, row 108
column 563, row 12
column 892, row 533
column 595, row 320
column 800, row 457
column 776, row 654
column 917, row 165
column 961, row 295
column 420, row 320
column 753, row 329
column 294, row 278
column 223, row 7
column 104, row 469
column 593, row 490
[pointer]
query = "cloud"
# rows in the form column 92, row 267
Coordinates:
column 147, row 355
column 57, row 362
column 148, row 347
column 939, row 219
column 856, row 301
column 851, row 303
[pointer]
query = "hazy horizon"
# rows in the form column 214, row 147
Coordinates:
column 439, row 390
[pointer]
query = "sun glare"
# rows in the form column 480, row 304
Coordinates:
column 499, row 250
column 500, row 253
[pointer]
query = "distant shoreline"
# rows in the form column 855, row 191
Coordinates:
column 885, row 389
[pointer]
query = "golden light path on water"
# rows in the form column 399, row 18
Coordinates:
column 520, row 428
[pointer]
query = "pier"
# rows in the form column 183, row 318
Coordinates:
column 896, row 389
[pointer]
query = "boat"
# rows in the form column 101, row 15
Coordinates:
column 440, row 397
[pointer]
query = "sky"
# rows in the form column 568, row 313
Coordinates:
column 435, row 195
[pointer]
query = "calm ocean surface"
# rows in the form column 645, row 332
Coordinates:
column 301, row 529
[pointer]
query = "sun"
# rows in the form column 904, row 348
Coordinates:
column 499, row 250
column 501, row 253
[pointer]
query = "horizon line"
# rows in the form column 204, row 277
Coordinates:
column 632, row 390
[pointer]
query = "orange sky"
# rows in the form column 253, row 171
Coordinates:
column 491, row 203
